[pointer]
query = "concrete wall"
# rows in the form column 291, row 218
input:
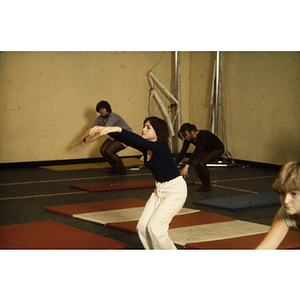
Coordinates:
column 48, row 100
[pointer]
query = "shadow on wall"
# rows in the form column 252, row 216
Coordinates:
column 94, row 147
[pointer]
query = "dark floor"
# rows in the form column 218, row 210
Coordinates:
column 25, row 191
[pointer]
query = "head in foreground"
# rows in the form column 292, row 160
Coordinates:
column 287, row 186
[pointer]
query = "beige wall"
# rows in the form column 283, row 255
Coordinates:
column 48, row 100
column 261, row 93
column 262, row 96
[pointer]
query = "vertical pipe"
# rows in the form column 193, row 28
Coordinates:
column 175, row 94
column 217, row 95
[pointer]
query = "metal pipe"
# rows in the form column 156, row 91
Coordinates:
column 150, row 75
column 217, row 95
column 175, row 92
column 154, row 94
column 212, row 98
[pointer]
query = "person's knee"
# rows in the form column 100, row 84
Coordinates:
column 141, row 228
column 103, row 151
column 202, row 164
column 153, row 229
column 199, row 164
column 111, row 150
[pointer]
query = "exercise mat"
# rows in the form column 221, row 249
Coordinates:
column 104, row 212
column 185, row 218
column 188, row 226
column 127, row 161
column 242, row 202
column 249, row 242
column 81, row 208
column 52, row 235
column 117, row 185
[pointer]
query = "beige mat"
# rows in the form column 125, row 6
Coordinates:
column 119, row 215
column 215, row 231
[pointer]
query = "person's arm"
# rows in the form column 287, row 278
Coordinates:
column 82, row 140
column 183, row 151
column 131, row 139
column 200, row 142
column 185, row 169
column 275, row 236
column 101, row 130
column 87, row 133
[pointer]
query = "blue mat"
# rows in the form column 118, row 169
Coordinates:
column 243, row 202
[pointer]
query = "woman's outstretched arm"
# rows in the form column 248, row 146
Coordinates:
column 101, row 130
column 276, row 234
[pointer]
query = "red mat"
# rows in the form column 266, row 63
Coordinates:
column 119, row 185
column 291, row 241
column 53, row 235
column 185, row 220
column 72, row 209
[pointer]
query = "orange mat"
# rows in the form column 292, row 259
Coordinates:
column 291, row 241
column 52, row 235
column 72, row 209
column 119, row 185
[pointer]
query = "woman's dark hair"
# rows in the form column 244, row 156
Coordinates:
column 103, row 104
column 186, row 127
column 161, row 128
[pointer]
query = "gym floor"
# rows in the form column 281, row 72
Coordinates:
column 26, row 190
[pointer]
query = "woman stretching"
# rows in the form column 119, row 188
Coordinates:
column 208, row 149
column 170, row 192
column 110, row 147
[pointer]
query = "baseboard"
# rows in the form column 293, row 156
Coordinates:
column 55, row 162
column 101, row 159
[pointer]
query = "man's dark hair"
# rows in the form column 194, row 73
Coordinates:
column 103, row 104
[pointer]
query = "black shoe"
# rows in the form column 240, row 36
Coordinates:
column 204, row 189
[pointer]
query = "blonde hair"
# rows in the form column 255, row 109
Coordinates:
column 288, row 178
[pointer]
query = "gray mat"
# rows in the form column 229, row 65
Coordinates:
column 243, row 202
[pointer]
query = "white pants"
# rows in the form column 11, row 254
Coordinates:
column 164, row 203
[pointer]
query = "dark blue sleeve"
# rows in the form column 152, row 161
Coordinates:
column 136, row 141
column 121, row 138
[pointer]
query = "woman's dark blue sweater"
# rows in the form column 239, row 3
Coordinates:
column 162, row 165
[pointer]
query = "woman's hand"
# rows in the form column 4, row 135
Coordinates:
column 95, row 137
column 98, row 129
column 79, row 143
column 185, row 171
column 104, row 130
